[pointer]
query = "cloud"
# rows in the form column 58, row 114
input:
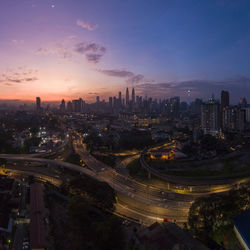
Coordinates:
column 116, row 73
column 135, row 79
column 92, row 51
column 86, row 25
column 14, row 41
column 84, row 47
column 131, row 77
column 31, row 79
column 69, row 50
column 18, row 76
column 58, row 50
column 94, row 58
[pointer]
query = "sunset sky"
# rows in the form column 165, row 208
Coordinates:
column 83, row 48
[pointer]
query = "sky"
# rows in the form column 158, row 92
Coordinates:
column 83, row 48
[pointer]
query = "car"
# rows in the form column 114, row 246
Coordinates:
column 166, row 220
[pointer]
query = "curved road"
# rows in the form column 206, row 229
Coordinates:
column 136, row 200
column 149, row 202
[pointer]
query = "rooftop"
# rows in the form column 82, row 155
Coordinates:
column 242, row 223
column 38, row 234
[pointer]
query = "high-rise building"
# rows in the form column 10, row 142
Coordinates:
column 127, row 97
column 247, row 110
column 174, row 107
column 38, row 104
column 114, row 102
column 133, row 96
column 110, row 102
column 81, row 105
column 234, row 119
column 120, row 98
column 62, row 106
column 243, row 102
column 195, row 106
column 224, row 107
column 210, row 117
column 76, row 105
column 69, row 106
column 224, row 99
column 97, row 99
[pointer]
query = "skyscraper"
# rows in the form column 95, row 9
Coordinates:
column 243, row 102
column 210, row 117
column 69, row 107
column 127, row 97
column 224, row 106
column 38, row 104
column 62, row 106
column 224, row 99
column 120, row 98
column 110, row 102
column 133, row 96
column 81, row 105
column 76, row 105
column 234, row 119
column 174, row 107
column 98, row 99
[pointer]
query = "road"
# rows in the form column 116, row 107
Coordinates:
column 42, row 177
column 121, row 166
column 200, row 184
column 137, row 200
column 124, row 186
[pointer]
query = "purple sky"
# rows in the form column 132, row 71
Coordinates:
column 73, row 48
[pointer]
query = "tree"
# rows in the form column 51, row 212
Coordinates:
column 99, row 193
column 208, row 142
column 31, row 179
column 3, row 161
column 92, row 227
column 207, row 215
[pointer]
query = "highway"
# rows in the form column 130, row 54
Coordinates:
column 197, row 184
column 144, row 196
column 123, row 186
column 42, row 177
column 137, row 200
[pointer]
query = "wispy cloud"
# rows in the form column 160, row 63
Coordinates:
column 58, row 50
column 116, row 72
column 18, row 76
column 131, row 78
column 86, row 25
column 135, row 79
column 14, row 41
column 84, row 47
column 94, row 58
column 92, row 51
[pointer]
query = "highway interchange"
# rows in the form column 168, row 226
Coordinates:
column 136, row 200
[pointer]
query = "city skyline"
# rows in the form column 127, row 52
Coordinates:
column 65, row 49
column 126, row 97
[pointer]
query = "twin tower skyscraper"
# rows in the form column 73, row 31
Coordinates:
column 127, row 97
